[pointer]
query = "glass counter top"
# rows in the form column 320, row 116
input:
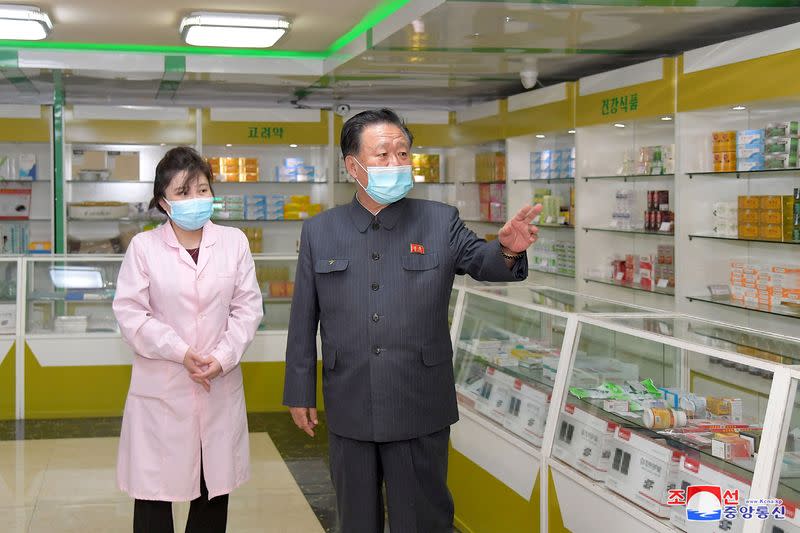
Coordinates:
column 561, row 300
column 761, row 345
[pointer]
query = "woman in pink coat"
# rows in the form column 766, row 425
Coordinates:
column 188, row 303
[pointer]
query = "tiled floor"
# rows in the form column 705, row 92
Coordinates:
column 58, row 476
column 68, row 485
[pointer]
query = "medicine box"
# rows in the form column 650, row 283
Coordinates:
column 527, row 412
column 642, row 470
column 583, row 441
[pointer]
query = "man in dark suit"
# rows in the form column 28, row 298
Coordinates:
column 376, row 275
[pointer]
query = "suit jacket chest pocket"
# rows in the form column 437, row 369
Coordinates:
column 331, row 268
column 420, row 264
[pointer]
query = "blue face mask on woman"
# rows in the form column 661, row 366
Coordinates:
column 192, row 214
column 387, row 185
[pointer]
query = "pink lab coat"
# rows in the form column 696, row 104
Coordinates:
column 165, row 303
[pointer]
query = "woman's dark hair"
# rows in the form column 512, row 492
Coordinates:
column 177, row 161
column 350, row 141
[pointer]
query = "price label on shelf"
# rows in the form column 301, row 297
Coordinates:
column 666, row 227
column 662, row 283
column 549, row 220
column 562, row 220
column 719, row 290
column 620, row 276
column 663, row 328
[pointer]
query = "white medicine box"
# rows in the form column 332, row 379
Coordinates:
column 693, row 472
column 583, row 441
column 526, row 412
column 493, row 396
column 643, row 470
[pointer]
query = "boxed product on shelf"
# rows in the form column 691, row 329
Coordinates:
column 98, row 210
column 70, row 324
column 425, row 167
column 692, row 472
column 123, row 166
column 723, row 141
column 781, row 145
column 490, row 166
column 750, row 139
column 527, row 412
column 494, row 395
column 14, row 238
column 88, row 161
column 780, row 161
column 623, row 209
column 643, row 470
column 781, row 129
column 26, row 167
column 583, row 441
column 254, row 237
column 772, row 218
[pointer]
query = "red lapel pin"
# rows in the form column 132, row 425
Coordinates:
column 417, row 249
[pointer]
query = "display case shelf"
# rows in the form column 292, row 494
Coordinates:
column 632, row 177
column 722, row 238
column 630, row 286
column 471, row 182
column 111, row 182
column 555, row 226
column 548, row 181
column 559, row 274
column 632, row 231
column 775, row 173
column 727, row 301
column 237, row 183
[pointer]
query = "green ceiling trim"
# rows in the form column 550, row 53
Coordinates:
column 643, row 3
column 174, row 71
column 502, row 50
column 151, row 49
column 9, row 67
column 378, row 14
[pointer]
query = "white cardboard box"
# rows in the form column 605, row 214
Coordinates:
column 643, row 470
column 583, row 441
column 527, row 412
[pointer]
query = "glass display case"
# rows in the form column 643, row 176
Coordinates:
column 657, row 404
column 9, row 277
column 275, row 276
column 71, row 296
column 506, row 359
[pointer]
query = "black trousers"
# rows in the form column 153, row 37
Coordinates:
column 414, row 472
column 205, row 516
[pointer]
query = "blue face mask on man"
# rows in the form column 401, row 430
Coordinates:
column 192, row 214
column 387, row 185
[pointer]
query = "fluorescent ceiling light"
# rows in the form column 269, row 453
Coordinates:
column 739, row 108
column 666, row 118
column 233, row 30
column 618, row 125
column 23, row 23
column 571, row 132
column 292, row 146
column 540, row 136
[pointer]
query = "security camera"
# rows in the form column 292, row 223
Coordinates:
column 528, row 77
column 342, row 109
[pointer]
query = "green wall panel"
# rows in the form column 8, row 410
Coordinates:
column 263, row 386
column 8, row 370
column 74, row 392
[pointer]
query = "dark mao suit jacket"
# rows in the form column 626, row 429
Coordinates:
column 379, row 288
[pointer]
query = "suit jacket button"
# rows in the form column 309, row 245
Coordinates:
column 375, row 317
column 375, row 256
column 376, row 226
column 375, row 286
column 377, row 350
